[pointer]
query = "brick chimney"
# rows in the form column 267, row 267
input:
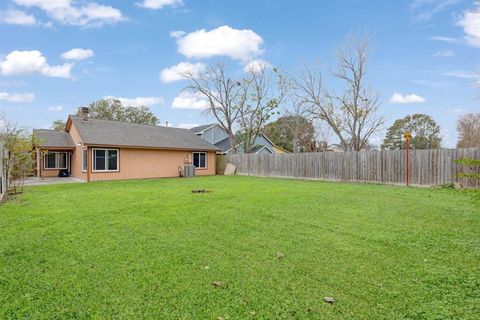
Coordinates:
column 84, row 112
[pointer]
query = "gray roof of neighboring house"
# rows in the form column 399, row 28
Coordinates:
column 201, row 128
column 260, row 147
column 223, row 145
column 116, row 133
column 53, row 138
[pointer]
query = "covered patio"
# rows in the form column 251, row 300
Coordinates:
column 54, row 156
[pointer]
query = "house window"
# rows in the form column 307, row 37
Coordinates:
column 200, row 160
column 84, row 159
column 105, row 159
column 55, row 160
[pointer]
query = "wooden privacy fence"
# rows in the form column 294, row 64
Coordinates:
column 427, row 167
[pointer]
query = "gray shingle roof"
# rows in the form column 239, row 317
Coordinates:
column 258, row 148
column 223, row 145
column 53, row 138
column 116, row 133
column 201, row 128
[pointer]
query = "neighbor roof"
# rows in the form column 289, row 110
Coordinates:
column 116, row 133
column 202, row 128
column 223, row 145
column 53, row 138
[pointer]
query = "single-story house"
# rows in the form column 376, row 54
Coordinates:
column 93, row 149
column 217, row 136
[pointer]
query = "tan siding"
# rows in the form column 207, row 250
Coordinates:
column 144, row 164
column 77, row 154
column 49, row 173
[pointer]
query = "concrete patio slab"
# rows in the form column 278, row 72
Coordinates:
column 34, row 181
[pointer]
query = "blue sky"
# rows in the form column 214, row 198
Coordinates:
column 57, row 55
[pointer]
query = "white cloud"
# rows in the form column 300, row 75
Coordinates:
column 408, row 98
column 462, row 74
column 17, row 17
column 470, row 23
column 177, row 72
column 55, row 108
column 77, row 54
column 444, row 53
column 138, row 101
column 424, row 10
column 256, row 66
column 446, row 39
column 159, row 4
column 222, row 41
column 188, row 100
column 187, row 125
column 17, row 97
column 32, row 62
column 65, row 12
column 177, row 34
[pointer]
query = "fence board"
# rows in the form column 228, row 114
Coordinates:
column 426, row 167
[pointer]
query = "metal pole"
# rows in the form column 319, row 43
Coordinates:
column 407, row 164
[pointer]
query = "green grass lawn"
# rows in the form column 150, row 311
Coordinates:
column 151, row 249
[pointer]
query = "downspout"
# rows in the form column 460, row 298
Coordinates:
column 89, row 163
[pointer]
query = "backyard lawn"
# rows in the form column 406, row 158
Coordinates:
column 251, row 248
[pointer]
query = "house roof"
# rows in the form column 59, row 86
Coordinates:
column 53, row 138
column 117, row 133
column 258, row 148
column 223, row 145
column 202, row 128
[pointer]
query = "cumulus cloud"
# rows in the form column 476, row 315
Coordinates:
column 159, row 4
column 177, row 33
column 55, row 108
column 177, row 72
column 408, row 98
column 78, row 54
column 188, row 100
column 237, row 44
column 67, row 12
column 32, row 62
column 187, row 125
column 256, row 66
column 17, row 97
column 138, row 101
column 470, row 22
column 17, row 17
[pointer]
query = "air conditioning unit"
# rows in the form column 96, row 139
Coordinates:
column 189, row 171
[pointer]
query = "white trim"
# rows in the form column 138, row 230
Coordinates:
column 56, row 160
column 264, row 147
column 213, row 125
column 86, row 164
column 106, row 160
column 206, row 159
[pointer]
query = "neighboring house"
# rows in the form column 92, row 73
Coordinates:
column 92, row 150
column 215, row 134
column 3, row 180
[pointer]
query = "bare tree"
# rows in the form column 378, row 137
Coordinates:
column 468, row 127
column 352, row 115
column 225, row 96
column 264, row 89
column 323, row 133
column 18, row 162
